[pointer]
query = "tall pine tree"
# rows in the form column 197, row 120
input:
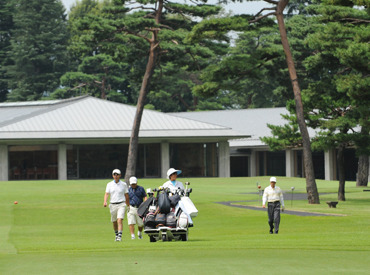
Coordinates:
column 38, row 49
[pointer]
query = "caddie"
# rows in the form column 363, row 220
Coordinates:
column 119, row 200
column 137, row 195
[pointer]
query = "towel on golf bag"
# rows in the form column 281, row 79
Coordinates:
column 160, row 219
column 171, row 220
column 143, row 208
column 174, row 199
column 164, row 203
column 189, row 207
column 149, row 221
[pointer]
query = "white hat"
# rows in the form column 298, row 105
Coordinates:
column 116, row 171
column 133, row 180
column 171, row 171
column 272, row 179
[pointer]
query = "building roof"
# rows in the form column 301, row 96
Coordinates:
column 251, row 121
column 88, row 117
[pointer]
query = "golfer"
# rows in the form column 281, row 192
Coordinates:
column 119, row 199
column 137, row 196
column 173, row 184
column 274, row 197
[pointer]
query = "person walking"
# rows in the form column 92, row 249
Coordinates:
column 119, row 200
column 274, row 197
column 137, row 196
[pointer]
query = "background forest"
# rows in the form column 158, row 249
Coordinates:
column 191, row 56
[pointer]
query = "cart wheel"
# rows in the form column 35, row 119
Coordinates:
column 152, row 239
column 184, row 237
column 164, row 238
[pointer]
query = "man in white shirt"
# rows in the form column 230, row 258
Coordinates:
column 119, row 199
column 274, row 197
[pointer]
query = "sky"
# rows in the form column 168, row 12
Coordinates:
column 236, row 8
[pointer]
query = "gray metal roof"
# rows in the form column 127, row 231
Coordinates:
column 89, row 117
column 246, row 121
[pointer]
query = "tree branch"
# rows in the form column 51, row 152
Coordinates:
column 263, row 16
column 355, row 20
column 79, row 86
column 133, row 33
column 271, row 2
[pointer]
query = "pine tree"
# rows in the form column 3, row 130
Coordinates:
column 38, row 49
column 6, row 26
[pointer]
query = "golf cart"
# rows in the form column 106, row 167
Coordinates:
column 169, row 215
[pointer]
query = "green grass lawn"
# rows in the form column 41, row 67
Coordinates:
column 61, row 227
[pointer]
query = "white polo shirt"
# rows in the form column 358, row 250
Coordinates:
column 173, row 187
column 272, row 194
column 116, row 191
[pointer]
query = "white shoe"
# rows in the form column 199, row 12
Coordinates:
column 132, row 237
column 119, row 239
column 140, row 236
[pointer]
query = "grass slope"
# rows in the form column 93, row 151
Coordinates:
column 61, row 227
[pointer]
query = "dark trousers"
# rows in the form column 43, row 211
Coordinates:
column 273, row 212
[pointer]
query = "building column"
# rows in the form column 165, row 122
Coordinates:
column 329, row 159
column 223, row 159
column 253, row 164
column 165, row 159
column 62, row 162
column 4, row 163
column 289, row 163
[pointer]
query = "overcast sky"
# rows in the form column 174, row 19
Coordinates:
column 236, row 8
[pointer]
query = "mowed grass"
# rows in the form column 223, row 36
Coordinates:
column 61, row 227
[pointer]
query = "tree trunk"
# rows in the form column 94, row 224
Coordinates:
column 363, row 171
column 150, row 66
column 313, row 195
column 341, row 172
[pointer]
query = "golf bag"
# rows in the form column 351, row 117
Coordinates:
column 171, row 220
column 160, row 219
column 150, row 221
column 189, row 207
column 182, row 222
column 142, row 211
column 164, row 202
column 174, row 199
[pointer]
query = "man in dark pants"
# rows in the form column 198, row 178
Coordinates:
column 274, row 197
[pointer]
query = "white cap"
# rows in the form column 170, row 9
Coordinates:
column 133, row 180
column 272, row 179
column 171, row 171
column 116, row 171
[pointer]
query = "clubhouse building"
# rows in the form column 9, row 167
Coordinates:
column 86, row 137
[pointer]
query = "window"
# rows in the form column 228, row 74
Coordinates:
column 33, row 162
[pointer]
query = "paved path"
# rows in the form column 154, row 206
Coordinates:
column 289, row 212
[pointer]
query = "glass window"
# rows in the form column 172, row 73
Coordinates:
column 95, row 161
column 239, row 166
column 271, row 163
column 195, row 159
column 98, row 161
column 33, row 162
